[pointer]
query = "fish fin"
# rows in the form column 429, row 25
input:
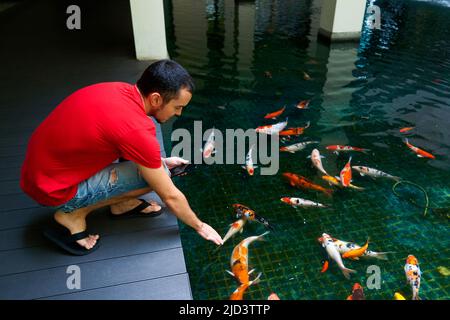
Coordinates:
column 361, row 174
column 381, row 255
column 405, row 140
column 420, row 156
column 242, row 230
column 347, row 272
column 355, row 258
column 231, row 273
column 350, row 297
column 243, row 167
column 307, row 125
column 256, row 280
column 251, row 271
column 308, row 157
column 291, row 151
column 336, row 153
column 322, row 156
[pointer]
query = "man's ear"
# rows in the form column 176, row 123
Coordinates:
column 155, row 100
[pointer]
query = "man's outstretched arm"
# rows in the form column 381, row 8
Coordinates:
column 159, row 181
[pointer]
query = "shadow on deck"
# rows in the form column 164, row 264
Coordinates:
column 42, row 64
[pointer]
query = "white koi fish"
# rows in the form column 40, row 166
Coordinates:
column 235, row 227
column 297, row 147
column 210, row 146
column 249, row 167
column 333, row 253
column 299, row 202
column 374, row 173
column 317, row 161
column 272, row 128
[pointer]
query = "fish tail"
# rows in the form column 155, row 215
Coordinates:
column 307, row 125
column 396, row 178
column 381, row 255
column 365, row 151
column 347, row 272
column 261, row 237
column 415, row 294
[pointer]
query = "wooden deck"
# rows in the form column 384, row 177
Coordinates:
column 138, row 258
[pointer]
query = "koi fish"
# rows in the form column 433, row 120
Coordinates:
column 294, row 131
column 275, row 114
column 306, row 76
column 316, row 160
column 398, row 296
column 344, row 246
column 302, row 182
column 243, row 212
column 239, row 259
column 272, row 128
column 273, row 296
column 374, row 173
column 297, row 147
column 406, row 129
column 336, row 181
column 249, row 167
column 303, row 104
column 413, row 275
column 333, row 253
column 238, row 294
column 420, row 153
column 356, row 253
column 299, row 202
column 338, row 148
column 209, row 148
column 235, row 227
column 357, row 293
column 346, row 174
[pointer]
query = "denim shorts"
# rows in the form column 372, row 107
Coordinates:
column 101, row 187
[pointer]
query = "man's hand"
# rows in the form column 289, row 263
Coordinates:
column 173, row 162
column 208, row 233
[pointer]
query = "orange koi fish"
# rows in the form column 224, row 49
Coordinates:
column 324, row 266
column 346, row 174
column 238, row 294
column 420, row 153
column 239, row 260
column 303, row 104
column 413, row 275
column 294, row 131
column 338, row 148
column 244, row 212
column 302, row 182
column 356, row 253
column 357, row 293
column 406, row 129
column 275, row 114
column 235, row 227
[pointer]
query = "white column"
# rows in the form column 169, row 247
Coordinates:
column 342, row 19
column 149, row 29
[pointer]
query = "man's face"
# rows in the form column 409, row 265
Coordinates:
column 174, row 107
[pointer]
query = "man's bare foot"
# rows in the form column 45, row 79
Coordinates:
column 125, row 206
column 76, row 223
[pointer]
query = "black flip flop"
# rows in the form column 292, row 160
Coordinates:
column 137, row 212
column 63, row 239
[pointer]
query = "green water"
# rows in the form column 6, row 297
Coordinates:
column 361, row 95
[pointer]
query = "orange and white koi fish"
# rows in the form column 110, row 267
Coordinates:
column 238, row 294
column 244, row 212
column 338, row 148
column 336, row 181
column 357, row 293
column 273, row 296
column 317, row 161
column 239, row 259
column 333, row 253
column 249, row 167
column 344, row 246
column 413, row 275
column 297, row 147
column 299, row 202
column 303, row 104
column 406, row 129
column 420, row 153
column 209, row 148
column 301, row 182
column 294, row 131
column 272, row 128
column 275, row 114
column 235, row 227
column 346, row 174
column 356, row 253
column 374, row 173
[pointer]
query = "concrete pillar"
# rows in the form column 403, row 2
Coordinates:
column 149, row 29
column 342, row 19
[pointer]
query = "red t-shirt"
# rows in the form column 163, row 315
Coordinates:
column 86, row 132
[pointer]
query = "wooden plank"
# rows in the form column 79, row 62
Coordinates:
column 94, row 275
column 16, row 202
column 113, row 246
column 10, row 187
column 175, row 287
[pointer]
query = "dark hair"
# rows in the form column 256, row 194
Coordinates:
column 165, row 77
